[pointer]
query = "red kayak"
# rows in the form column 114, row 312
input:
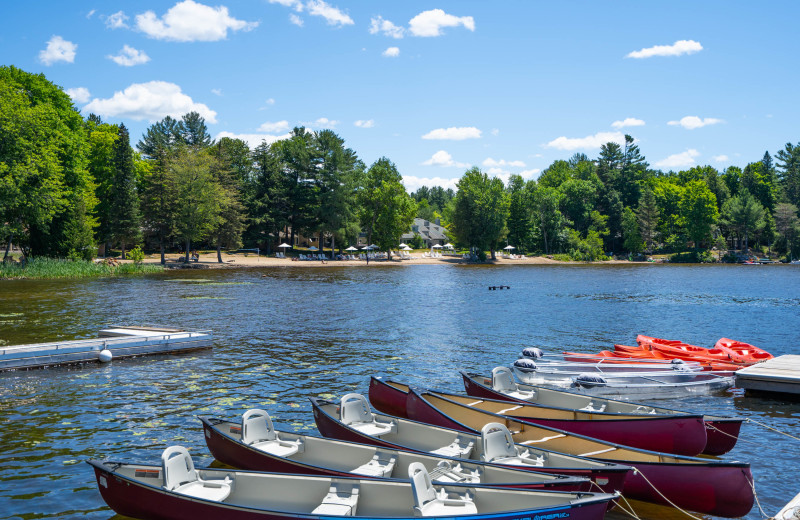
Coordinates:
column 646, row 353
column 748, row 352
column 702, row 485
column 721, row 432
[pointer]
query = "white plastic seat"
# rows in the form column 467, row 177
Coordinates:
column 355, row 412
column 499, row 447
column 339, row 501
column 503, row 382
column 460, row 448
column 594, row 407
column 258, row 432
column 427, row 502
column 381, row 465
column 181, row 477
column 452, row 472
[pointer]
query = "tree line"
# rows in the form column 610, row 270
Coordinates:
column 69, row 184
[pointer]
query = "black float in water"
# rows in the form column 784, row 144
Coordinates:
column 501, row 287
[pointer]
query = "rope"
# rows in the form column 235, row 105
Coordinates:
column 670, row 502
column 758, row 502
column 619, row 505
column 773, row 429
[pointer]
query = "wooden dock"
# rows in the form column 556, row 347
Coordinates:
column 780, row 375
column 114, row 342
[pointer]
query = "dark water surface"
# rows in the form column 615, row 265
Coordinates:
column 285, row 334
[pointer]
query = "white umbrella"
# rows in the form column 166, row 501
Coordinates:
column 284, row 245
column 313, row 248
column 403, row 244
column 437, row 246
column 367, row 248
column 406, row 248
column 448, row 245
column 509, row 247
column 373, row 246
column 351, row 248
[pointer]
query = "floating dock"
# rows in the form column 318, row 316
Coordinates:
column 113, row 342
column 780, row 375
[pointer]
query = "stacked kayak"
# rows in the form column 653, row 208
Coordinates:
column 724, row 351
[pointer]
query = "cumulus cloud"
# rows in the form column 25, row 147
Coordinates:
column 58, row 49
column 332, row 15
column 189, row 21
column 454, row 133
column 692, row 122
column 628, row 121
column 362, row 123
column 679, row 160
column 296, row 20
column 430, row 23
column 151, row 101
column 720, row 158
column 678, row 48
column 413, row 183
column 322, row 122
column 444, row 159
column 529, row 174
column 391, row 52
column 117, row 20
column 297, row 5
column 276, row 127
column 79, row 94
column 253, row 140
column 379, row 25
column 128, row 57
column 590, row 141
column 489, row 162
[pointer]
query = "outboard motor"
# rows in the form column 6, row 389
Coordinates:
column 680, row 365
column 589, row 380
column 525, row 365
column 532, row 353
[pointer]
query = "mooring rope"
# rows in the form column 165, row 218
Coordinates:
column 670, row 502
column 632, row 513
column 773, row 429
column 758, row 502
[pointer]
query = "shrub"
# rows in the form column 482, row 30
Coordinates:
column 137, row 255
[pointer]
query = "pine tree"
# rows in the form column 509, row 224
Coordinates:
column 125, row 215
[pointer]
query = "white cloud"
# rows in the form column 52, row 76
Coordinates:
column 495, row 131
column 692, row 122
column 78, row 94
column 679, row 160
column 216, row 91
column 253, row 140
column 378, row 24
column 720, row 158
column 444, row 159
column 391, row 52
column 628, row 121
column 454, row 133
column 322, row 122
column 332, row 15
column 368, row 123
column 676, row 49
column 58, row 49
column 590, row 141
column 413, row 183
column 90, row 13
column 189, row 21
column 296, row 20
column 152, row 101
column 489, row 162
column 528, row 174
column 276, row 127
column 430, row 23
column 117, row 20
column 128, row 57
column 297, row 5
column 270, row 101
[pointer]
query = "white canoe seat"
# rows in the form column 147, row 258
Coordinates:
column 181, row 477
column 427, row 502
column 381, row 465
column 341, row 500
column 503, row 382
column 354, row 412
column 499, row 447
column 258, row 432
column 594, row 407
column 460, row 448
column 448, row 472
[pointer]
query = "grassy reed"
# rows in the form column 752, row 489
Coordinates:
column 45, row 268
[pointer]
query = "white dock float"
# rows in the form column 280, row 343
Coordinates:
column 778, row 375
column 119, row 342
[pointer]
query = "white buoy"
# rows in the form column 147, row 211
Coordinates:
column 104, row 356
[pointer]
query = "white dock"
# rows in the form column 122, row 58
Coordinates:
column 113, row 342
column 779, row 375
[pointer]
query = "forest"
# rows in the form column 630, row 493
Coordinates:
column 75, row 187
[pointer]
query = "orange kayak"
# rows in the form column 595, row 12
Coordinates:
column 751, row 354
column 645, row 350
column 681, row 350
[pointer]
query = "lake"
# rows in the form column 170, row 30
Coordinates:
column 285, row 334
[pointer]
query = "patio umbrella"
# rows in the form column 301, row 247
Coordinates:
column 313, row 248
column 402, row 244
column 448, row 245
column 351, row 248
column 284, row 245
column 406, row 248
column 373, row 246
column 509, row 247
column 437, row 246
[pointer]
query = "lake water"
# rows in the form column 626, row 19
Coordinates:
column 285, row 334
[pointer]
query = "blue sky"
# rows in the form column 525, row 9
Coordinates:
column 435, row 86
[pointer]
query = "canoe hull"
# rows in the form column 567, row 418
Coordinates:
column 387, row 398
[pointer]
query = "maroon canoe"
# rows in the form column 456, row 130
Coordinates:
column 721, row 432
column 426, row 438
column 335, row 458
column 697, row 484
column 679, row 434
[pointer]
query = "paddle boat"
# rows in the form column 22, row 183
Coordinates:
column 707, row 486
column 336, row 421
column 175, row 490
column 721, row 432
column 253, row 443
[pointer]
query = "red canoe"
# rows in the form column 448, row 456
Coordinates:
column 721, row 432
column 701, row 485
column 426, row 438
column 682, row 434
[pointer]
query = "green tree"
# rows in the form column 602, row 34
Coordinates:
column 268, row 204
column 159, row 137
column 193, row 131
column 631, row 232
column 555, row 175
column 299, row 162
column 519, row 213
column 125, row 217
column 101, row 167
column 195, row 195
column 631, row 174
column 547, row 216
column 698, row 212
column 744, row 215
column 230, row 173
column 788, row 225
column 579, row 201
column 789, row 177
column 647, row 215
column 480, row 212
